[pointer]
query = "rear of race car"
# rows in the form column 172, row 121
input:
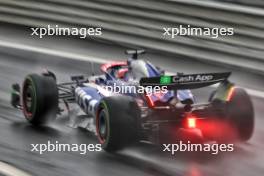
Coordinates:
column 227, row 116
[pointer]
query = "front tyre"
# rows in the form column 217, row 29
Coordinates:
column 39, row 99
column 117, row 122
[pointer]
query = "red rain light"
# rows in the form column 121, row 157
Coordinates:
column 191, row 122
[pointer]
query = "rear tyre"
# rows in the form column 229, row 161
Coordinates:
column 39, row 99
column 240, row 114
column 117, row 122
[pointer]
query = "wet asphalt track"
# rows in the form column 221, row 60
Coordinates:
column 16, row 134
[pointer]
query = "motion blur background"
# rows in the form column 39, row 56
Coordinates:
column 128, row 24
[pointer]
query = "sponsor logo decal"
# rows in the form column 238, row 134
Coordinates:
column 86, row 102
column 165, row 80
column 192, row 78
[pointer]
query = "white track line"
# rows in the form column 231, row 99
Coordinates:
column 8, row 170
column 52, row 52
column 255, row 93
column 74, row 56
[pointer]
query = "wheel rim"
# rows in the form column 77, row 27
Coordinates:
column 28, row 100
column 102, row 126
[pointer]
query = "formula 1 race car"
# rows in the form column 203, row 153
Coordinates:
column 124, row 118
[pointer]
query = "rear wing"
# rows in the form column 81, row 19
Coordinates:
column 182, row 81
